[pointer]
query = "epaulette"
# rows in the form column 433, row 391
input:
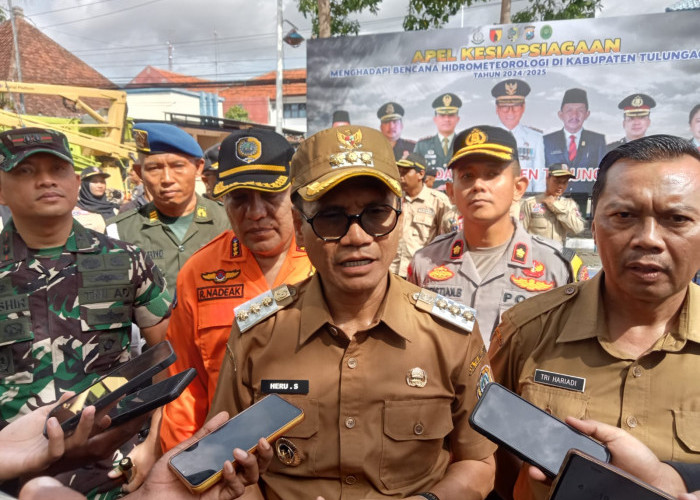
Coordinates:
column 535, row 306
column 446, row 309
column 579, row 269
column 535, row 129
column 426, row 138
column 123, row 215
column 263, row 306
column 565, row 254
column 442, row 237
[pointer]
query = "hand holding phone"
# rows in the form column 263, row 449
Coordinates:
column 529, row 432
column 200, row 465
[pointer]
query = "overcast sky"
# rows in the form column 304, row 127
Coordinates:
column 217, row 39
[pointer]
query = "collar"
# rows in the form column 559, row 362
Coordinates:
column 577, row 135
column 14, row 249
column 391, row 312
column 202, row 212
column 448, row 137
column 587, row 316
column 239, row 252
column 422, row 194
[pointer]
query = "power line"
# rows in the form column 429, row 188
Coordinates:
column 68, row 8
column 101, row 15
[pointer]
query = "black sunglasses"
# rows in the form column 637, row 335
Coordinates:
column 375, row 220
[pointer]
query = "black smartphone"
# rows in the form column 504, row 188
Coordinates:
column 120, row 381
column 151, row 397
column 529, row 432
column 199, row 466
column 583, row 477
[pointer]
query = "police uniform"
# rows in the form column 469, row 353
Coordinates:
column 147, row 228
column 530, row 142
column 65, row 318
column 555, row 219
column 220, row 276
column 554, row 351
column 378, row 407
column 530, row 265
column 631, row 106
column 391, row 111
column 432, row 147
column 425, row 216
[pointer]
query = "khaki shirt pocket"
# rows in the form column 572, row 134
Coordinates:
column 17, row 361
column 561, row 403
column 687, row 432
column 301, row 441
column 414, row 434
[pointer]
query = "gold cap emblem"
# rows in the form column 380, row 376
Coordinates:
column 389, row 109
column 476, row 136
column 416, row 377
column 349, row 140
column 511, row 88
column 637, row 101
column 446, row 99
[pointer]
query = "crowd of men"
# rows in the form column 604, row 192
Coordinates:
column 335, row 276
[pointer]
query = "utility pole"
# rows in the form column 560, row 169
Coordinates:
column 15, row 42
column 324, row 18
column 279, row 116
column 505, row 11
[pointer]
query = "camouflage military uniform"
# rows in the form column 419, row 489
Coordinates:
column 65, row 315
column 144, row 228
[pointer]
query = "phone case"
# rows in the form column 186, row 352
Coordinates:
column 182, row 380
column 216, row 477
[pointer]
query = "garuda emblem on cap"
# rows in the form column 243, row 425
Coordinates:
column 511, row 88
column 389, row 109
column 476, row 136
column 248, row 149
column 447, row 99
column 637, row 101
column 350, row 141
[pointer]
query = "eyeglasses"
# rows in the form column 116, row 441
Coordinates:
column 375, row 220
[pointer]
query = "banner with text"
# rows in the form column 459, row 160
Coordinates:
column 626, row 66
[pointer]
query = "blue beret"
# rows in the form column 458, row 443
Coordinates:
column 154, row 138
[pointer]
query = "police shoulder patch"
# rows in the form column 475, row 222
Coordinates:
column 263, row 306
column 446, row 309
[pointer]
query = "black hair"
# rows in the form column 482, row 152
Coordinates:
column 648, row 149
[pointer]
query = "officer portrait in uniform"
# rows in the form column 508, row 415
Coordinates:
column 624, row 347
column 391, row 124
column 386, row 373
column 510, row 106
column 694, row 123
column 493, row 263
column 574, row 145
column 177, row 221
column 550, row 214
column 260, row 252
column 426, row 212
column 436, row 149
column 636, row 118
column 68, row 295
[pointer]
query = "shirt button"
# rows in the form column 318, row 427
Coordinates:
column 418, row 429
column 349, row 422
column 548, row 410
column 181, row 248
column 333, row 331
column 569, row 290
column 637, row 371
column 350, row 479
column 352, row 363
column 631, row 422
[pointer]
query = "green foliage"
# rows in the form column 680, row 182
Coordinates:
column 427, row 14
column 237, row 112
column 340, row 10
column 550, row 10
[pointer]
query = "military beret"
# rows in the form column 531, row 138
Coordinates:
column 511, row 91
column 156, row 138
column 341, row 116
column 18, row 144
column 486, row 141
column 253, row 159
column 89, row 172
column 413, row 160
column 637, row 105
column 389, row 112
column 575, row 96
column 447, row 104
column 211, row 158
column 560, row 170
column 334, row 155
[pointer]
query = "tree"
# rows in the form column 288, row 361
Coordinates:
column 237, row 112
column 427, row 14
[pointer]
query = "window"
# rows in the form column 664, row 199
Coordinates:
column 294, row 110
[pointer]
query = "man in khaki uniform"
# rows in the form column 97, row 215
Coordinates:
column 624, row 347
column 426, row 212
column 493, row 263
column 550, row 214
column 386, row 373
